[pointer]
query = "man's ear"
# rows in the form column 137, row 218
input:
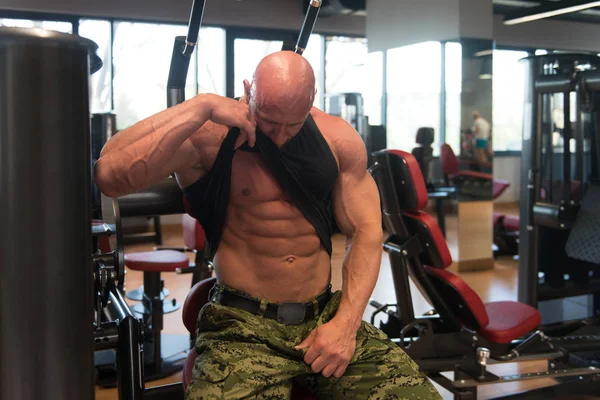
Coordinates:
column 247, row 89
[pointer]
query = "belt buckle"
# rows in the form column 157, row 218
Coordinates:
column 291, row 313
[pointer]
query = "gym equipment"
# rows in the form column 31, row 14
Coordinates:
column 45, row 237
column 312, row 12
column 461, row 334
column 349, row 107
column 163, row 354
column 555, row 177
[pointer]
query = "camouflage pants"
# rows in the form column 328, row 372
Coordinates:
column 242, row 355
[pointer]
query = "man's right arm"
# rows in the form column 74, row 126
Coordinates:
column 152, row 149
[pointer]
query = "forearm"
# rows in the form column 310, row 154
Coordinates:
column 359, row 274
column 142, row 153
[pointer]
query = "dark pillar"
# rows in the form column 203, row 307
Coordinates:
column 46, row 312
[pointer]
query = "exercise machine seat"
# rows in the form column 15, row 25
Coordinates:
column 195, row 300
column 499, row 186
column 498, row 219
column 498, row 322
column 157, row 261
column 511, row 223
column 509, row 320
column 451, row 166
column 193, row 234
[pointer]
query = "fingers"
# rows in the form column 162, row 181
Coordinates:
column 308, row 341
column 339, row 372
column 318, row 365
column 240, row 141
column 329, row 370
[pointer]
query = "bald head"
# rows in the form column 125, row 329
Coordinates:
column 283, row 80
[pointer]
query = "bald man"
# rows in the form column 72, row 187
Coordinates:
column 265, row 175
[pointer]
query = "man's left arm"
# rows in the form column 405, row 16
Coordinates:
column 358, row 214
column 357, row 211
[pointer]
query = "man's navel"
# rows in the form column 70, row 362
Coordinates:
column 290, row 260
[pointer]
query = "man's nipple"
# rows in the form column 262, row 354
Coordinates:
column 246, row 192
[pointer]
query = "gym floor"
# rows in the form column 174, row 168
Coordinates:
column 493, row 285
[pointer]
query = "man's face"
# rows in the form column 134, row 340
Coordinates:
column 279, row 123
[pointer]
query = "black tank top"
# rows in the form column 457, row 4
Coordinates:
column 305, row 167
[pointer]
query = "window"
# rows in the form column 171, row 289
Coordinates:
column 211, row 61
column 314, row 55
column 247, row 55
column 142, row 59
column 373, row 87
column 508, row 100
column 345, row 64
column 101, row 82
column 65, row 27
column 413, row 101
column 453, row 94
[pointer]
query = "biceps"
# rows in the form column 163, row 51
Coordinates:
column 357, row 206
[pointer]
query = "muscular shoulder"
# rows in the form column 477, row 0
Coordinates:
column 343, row 139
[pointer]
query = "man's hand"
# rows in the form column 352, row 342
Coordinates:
column 331, row 346
column 229, row 112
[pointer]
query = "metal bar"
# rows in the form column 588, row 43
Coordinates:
column 530, row 187
column 442, row 133
column 558, row 373
column 402, row 288
column 384, row 99
column 172, row 391
column 130, row 382
column 164, row 198
column 194, row 26
column 591, row 80
column 566, row 147
column 553, row 84
column 106, row 337
column 309, row 24
column 579, row 154
column 547, row 135
column 596, row 145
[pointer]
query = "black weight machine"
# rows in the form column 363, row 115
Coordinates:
column 559, row 262
column 462, row 334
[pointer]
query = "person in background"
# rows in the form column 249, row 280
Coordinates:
column 481, row 131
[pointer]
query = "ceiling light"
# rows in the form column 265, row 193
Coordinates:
column 549, row 11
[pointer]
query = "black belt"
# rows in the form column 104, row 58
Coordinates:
column 284, row 313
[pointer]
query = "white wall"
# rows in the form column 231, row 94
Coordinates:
column 397, row 23
column 476, row 19
column 509, row 169
column 273, row 14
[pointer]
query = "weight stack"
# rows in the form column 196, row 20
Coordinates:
column 46, row 291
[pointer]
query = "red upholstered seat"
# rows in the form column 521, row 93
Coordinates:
column 195, row 300
column 509, row 320
column 499, row 186
column 409, row 181
column 188, row 368
column 459, row 295
column 498, row 218
column 511, row 223
column 193, row 234
column 437, row 253
column 157, row 261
